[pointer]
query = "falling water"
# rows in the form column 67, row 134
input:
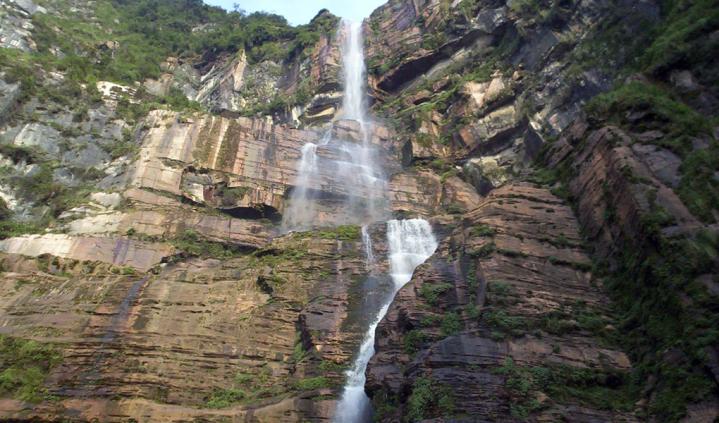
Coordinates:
column 367, row 242
column 341, row 168
column 307, row 171
column 410, row 242
column 350, row 170
column 353, row 100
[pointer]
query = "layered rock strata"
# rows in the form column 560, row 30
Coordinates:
column 508, row 299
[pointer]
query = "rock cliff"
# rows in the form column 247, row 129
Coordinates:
column 565, row 153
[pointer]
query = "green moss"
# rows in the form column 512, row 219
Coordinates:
column 24, row 365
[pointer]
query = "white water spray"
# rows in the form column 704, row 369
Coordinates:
column 354, row 184
column 410, row 242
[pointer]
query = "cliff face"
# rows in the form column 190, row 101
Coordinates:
column 564, row 152
column 491, row 87
column 504, row 322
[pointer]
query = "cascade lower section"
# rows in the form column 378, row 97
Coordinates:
column 502, row 322
column 410, row 242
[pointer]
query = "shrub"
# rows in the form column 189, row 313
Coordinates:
column 192, row 243
column 413, row 340
column 223, row 398
column 483, row 230
column 432, row 292
column 429, row 399
column 451, row 324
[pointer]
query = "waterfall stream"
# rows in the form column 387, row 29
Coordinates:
column 411, row 242
column 345, row 171
column 340, row 181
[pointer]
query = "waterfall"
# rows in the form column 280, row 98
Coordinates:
column 338, row 168
column 307, row 171
column 349, row 170
column 353, row 101
column 367, row 242
column 410, row 242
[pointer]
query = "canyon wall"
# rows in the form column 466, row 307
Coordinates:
column 564, row 153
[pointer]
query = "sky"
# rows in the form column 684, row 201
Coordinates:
column 300, row 12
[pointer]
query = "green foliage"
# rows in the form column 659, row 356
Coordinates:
column 231, row 196
column 679, row 123
column 483, row 230
column 429, row 399
column 432, row 292
column 248, row 387
column 192, row 243
column 385, row 404
column 660, row 111
column 413, row 341
column 681, row 40
column 650, row 288
column 223, row 398
column 312, row 383
column 129, row 40
column 331, row 366
column 24, row 364
column 342, row 232
column 503, row 324
column 699, row 189
column 10, row 228
column 485, row 250
column 299, row 353
column 451, row 324
column 454, row 208
column 605, row 390
column 307, row 36
column 525, row 7
column 38, row 187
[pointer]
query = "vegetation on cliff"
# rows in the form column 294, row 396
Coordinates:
column 24, row 364
column 668, row 319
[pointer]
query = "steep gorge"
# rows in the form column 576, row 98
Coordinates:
column 208, row 221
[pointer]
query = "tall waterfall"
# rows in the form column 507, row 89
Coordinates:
column 341, row 177
column 340, row 181
column 353, row 101
column 410, row 242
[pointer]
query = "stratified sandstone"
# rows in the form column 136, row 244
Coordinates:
column 160, row 346
column 509, row 289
